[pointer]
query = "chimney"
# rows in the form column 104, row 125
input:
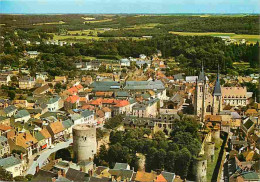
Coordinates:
column 21, row 156
column 37, row 168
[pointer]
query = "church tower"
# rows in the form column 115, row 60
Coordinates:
column 200, row 94
column 217, row 97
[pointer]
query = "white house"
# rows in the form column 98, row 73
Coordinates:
column 53, row 104
column 22, row 116
column 13, row 165
column 88, row 117
column 125, row 62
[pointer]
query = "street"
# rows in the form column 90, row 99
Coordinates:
column 43, row 156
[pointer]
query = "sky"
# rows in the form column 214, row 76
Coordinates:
column 129, row 6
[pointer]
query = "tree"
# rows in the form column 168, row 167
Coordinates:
column 5, row 175
column 11, row 94
column 170, row 161
column 20, row 178
column 182, row 162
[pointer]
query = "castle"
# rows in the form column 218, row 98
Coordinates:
column 205, row 102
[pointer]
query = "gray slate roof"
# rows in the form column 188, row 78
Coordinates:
column 144, row 85
column 9, row 161
column 86, row 113
column 21, row 114
column 3, row 139
column 9, row 109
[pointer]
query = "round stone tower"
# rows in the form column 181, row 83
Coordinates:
column 200, row 169
column 210, row 150
column 84, row 142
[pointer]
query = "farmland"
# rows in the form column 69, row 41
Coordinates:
column 248, row 38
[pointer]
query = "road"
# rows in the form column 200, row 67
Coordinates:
column 44, row 156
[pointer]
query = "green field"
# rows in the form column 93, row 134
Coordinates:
column 248, row 38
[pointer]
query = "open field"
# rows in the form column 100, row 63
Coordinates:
column 50, row 23
column 147, row 25
column 249, row 38
column 98, row 21
column 79, row 38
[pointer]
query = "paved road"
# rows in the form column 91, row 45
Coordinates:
column 43, row 156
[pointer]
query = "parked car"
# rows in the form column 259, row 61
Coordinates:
column 52, row 146
column 35, row 159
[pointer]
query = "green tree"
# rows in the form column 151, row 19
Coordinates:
column 5, row 175
column 182, row 162
column 11, row 94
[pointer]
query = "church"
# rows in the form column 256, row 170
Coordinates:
column 205, row 102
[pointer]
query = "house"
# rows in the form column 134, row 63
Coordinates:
column 60, row 79
column 14, row 165
column 77, row 118
column 165, row 177
column 4, row 120
column 47, row 136
column 234, row 96
column 146, row 108
column 251, row 112
column 72, row 102
column 24, row 142
column 142, row 56
column 56, row 130
column 8, row 111
column 41, row 90
column 121, row 172
column 54, row 104
column 32, row 54
column 4, row 146
column 88, row 117
column 5, row 79
column 67, row 125
column 4, row 129
column 42, row 143
column 22, row 116
column 20, row 103
column 26, row 82
column 142, row 176
column 248, row 126
column 121, row 107
column 125, row 62
column 78, row 65
column 41, row 77
column 191, row 79
column 107, row 113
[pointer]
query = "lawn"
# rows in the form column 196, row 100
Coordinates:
column 211, row 165
column 249, row 38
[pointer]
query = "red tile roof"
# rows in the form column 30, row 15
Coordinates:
column 72, row 99
column 122, row 103
column 5, row 127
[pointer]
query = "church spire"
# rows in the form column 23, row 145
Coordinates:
column 217, row 88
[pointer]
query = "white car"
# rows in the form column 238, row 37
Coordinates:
column 52, row 146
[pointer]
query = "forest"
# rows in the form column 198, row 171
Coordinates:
column 184, row 23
